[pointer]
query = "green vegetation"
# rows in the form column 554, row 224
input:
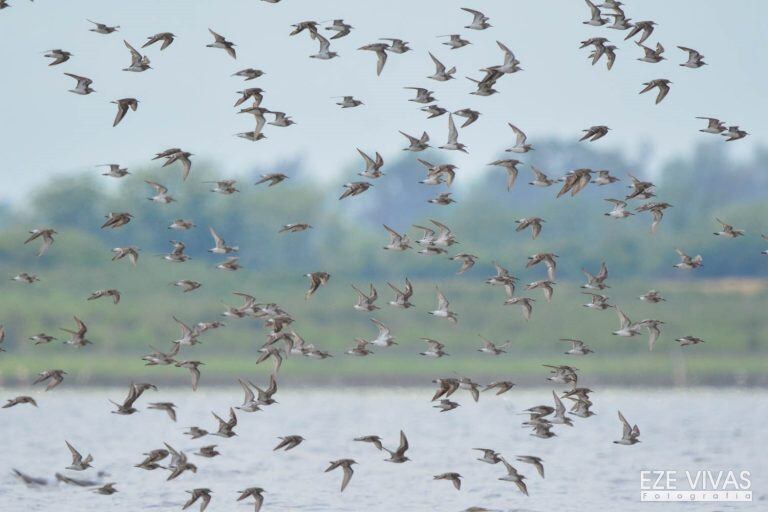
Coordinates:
column 725, row 302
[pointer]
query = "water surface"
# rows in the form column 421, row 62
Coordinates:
column 681, row 429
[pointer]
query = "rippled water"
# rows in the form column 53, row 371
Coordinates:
column 681, row 429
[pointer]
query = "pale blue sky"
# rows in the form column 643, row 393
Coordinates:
column 186, row 100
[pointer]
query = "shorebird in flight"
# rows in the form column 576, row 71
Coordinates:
column 534, row 461
column 546, row 286
column 593, row 133
column 46, row 234
column 366, row 302
column 372, row 167
column 221, row 246
column 490, row 348
column 520, row 138
column 627, row 328
column 398, row 456
column 530, row 222
column 646, row 27
column 192, row 366
column 467, row 261
column 578, row 348
column 115, row 171
column 501, row 386
column 662, row 84
column 687, row 262
column 354, row 188
column 415, row 144
column 342, row 29
column 139, row 62
column 454, row 478
column 525, row 302
column 56, row 377
column 470, row 115
column 316, row 280
column 514, row 477
column 58, row 56
column 79, row 463
column 714, row 125
column 346, row 466
column 222, row 43
column 198, row 494
column 453, row 137
column 734, row 133
column 422, row 95
column 374, row 440
column 83, row 86
column 455, row 41
column 254, row 492
column 441, row 74
column 597, row 281
column 381, row 54
column 288, row 443
column 479, row 20
column 77, row 338
column 630, row 434
column 396, row 45
column 695, row 59
column 652, row 55
column 442, row 310
column 689, row 340
column 11, row 402
column 115, row 294
column 249, row 73
column 101, row 28
column 166, row 37
column 728, row 231
column 122, row 108
column 595, row 16
column 434, row 350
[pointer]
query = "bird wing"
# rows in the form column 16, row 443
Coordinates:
column 440, row 67
column 521, row 137
column 453, row 133
column 403, row 444
column 249, row 395
column 442, row 302
column 381, row 59
column 157, row 186
column 76, row 457
column 122, row 109
column 81, row 327
column 135, row 55
column 218, row 37
column 369, row 163
column 627, row 429
column 325, row 44
column 623, row 319
column 348, row 472
column 216, row 238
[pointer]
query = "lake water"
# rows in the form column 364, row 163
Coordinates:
column 681, row 429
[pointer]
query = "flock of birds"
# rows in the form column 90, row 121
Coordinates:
column 282, row 341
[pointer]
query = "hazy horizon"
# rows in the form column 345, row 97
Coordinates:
column 187, row 98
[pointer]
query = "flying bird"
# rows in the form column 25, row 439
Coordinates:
column 58, row 55
column 122, row 108
column 83, row 86
column 630, row 434
column 346, row 466
column 479, row 20
column 166, row 37
column 662, row 84
column 222, row 43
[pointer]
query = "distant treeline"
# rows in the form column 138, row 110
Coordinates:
column 348, row 235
